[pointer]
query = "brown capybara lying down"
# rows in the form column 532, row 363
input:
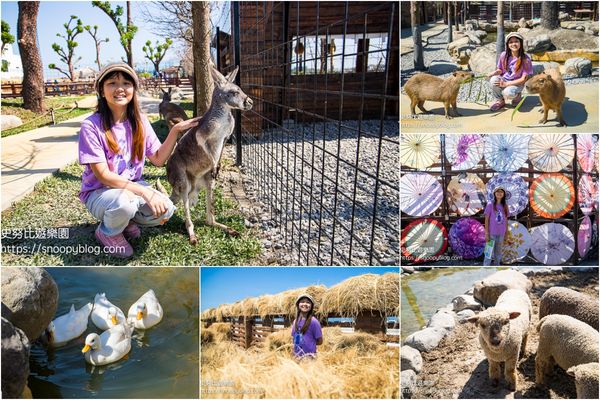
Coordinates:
column 551, row 88
column 422, row 87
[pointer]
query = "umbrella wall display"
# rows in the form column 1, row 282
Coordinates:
column 418, row 150
column 551, row 153
column 467, row 238
column 423, row 240
column 517, row 242
column 463, row 151
column 466, row 194
column 552, row 195
column 515, row 189
column 552, row 243
column 420, row 194
column 584, row 236
column 587, row 193
column 586, row 147
column 506, row 153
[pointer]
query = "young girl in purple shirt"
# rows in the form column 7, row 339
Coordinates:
column 306, row 329
column 513, row 69
column 496, row 223
column 113, row 144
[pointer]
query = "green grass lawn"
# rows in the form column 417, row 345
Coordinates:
column 31, row 120
column 55, row 204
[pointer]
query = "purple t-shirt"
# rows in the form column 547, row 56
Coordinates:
column 497, row 221
column 509, row 74
column 93, row 148
column 306, row 343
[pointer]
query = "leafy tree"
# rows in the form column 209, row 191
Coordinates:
column 126, row 32
column 98, row 42
column 155, row 55
column 33, row 72
column 67, row 56
column 4, row 66
column 7, row 38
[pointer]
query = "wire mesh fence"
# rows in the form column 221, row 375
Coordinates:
column 321, row 143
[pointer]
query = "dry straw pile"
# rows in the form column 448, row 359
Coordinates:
column 348, row 366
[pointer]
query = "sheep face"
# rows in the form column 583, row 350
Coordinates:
column 494, row 325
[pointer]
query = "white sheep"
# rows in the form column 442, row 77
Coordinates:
column 586, row 380
column 562, row 300
column 503, row 333
column 565, row 341
column 489, row 289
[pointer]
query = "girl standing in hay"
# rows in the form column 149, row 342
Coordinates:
column 113, row 144
column 496, row 224
column 513, row 69
column 306, row 329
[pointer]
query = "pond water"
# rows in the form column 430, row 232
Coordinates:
column 163, row 362
column 423, row 293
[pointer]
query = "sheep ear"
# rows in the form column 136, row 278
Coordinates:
column 571, row 371
column 513, row 314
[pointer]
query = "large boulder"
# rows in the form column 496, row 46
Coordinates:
column 523, row 31
column 563, row 16
column 471, row 25
column 483, row 59
column 465, row 301
column 408, row 383
column 522, row 23
column 29, row 299
column 578, row 67
column 10, row 121
column 486, row 26
column 465, row 314
column 442, row 319
column 538, row 43
column 426, row 339
column 410, row 359
column 541, row 66
column 489, row 289
column 15, row 360
column 565, row 39
column 511, row 26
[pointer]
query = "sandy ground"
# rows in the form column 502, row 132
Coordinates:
column 457, row 368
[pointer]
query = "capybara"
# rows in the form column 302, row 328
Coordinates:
column 551, row 88
column 422, row 87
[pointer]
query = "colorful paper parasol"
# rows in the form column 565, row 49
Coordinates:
column 506, row 153
column 515, row 189
column 419, row 150
column 420, row 194
column 586, row 145
column 467, row 238
column 584, row 236
column 517, row 242
column 464, row 151
column 587, row 193
column 552, row 195
column 551, row 152
column 552, row 244
column 423, row 240
column 466, row 194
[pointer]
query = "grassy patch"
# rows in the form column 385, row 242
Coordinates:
column 54, row 206
column 31, row 120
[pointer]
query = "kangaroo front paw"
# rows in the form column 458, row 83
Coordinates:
column 193, row 240
column 543, row 121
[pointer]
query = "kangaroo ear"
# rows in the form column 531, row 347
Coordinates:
column 218, row 78
column 170, row 90
column 231, row 76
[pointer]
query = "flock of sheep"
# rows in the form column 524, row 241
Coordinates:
column 568, row 332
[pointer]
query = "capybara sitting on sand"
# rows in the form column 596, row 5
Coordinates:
column 422, row 87
column 551, row 88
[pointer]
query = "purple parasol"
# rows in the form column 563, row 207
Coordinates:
column 467, row 238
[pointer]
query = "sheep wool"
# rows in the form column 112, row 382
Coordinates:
column 562, row 300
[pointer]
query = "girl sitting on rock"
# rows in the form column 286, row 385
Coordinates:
column 514, row 67
column 306, row 329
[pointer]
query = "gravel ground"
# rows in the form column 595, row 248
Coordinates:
column 297, row 213
column 436, row 51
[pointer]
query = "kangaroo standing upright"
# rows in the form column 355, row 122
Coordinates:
column 195, row 160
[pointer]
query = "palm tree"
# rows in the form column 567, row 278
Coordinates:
column 33, row 72
column 416, row 34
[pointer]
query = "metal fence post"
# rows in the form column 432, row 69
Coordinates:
column 236, row 61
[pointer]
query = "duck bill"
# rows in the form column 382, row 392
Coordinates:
column 114, row 320
column 86, row 348
column 139, row 315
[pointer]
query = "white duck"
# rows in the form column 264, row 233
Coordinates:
column 68, row 326
column 105, row 314
column 110, row 346
column 146, row 311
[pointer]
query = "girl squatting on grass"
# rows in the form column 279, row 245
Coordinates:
column 112, row 146
column 496, row 223
column 306, row 329
column 514, row 66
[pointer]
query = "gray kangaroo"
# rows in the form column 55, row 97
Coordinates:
column 195, row 160
column 171, row 112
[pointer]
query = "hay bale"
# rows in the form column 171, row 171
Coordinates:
column 363, row 342
column 206, row 336
column 278, row 341
column 368, row 292
column 249, row 307
column 237, row 309
column 220, row 331
column 263, row 304
column 290, row 297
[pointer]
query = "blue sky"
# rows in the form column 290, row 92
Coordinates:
column 53, row 14
column 220, row 285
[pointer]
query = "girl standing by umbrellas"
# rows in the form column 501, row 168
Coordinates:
column 306, row 329
column 496, row 223
column 514, row 66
